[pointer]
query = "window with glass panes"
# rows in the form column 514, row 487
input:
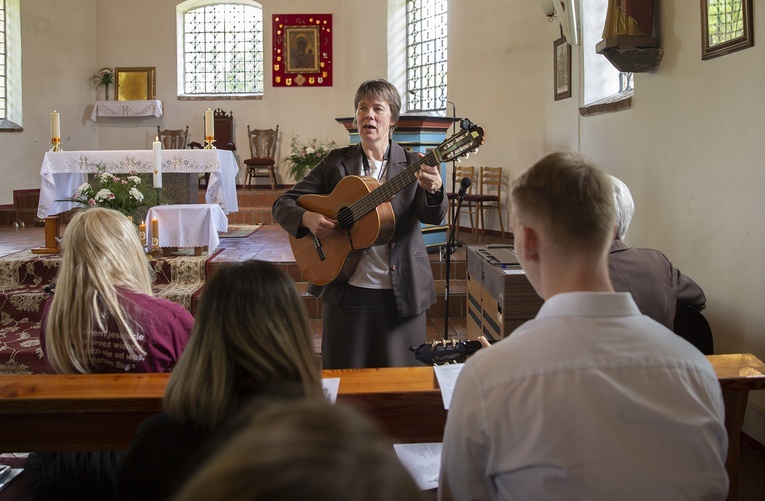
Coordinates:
column 3, row 66
column 223, row 50
column 426, row 45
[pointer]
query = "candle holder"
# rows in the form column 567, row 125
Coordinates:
column 154, row 254
column 55, row 141
column 209, row 140
column 155, row 251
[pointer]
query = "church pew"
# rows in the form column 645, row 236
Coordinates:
column 49, row 412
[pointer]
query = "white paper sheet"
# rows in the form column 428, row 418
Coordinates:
column 447, row 377
column 330, row 385
column 423, row 461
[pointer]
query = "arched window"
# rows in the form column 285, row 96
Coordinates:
column 3, row 48
column 602, row 82
column 10, row 66
column 220, row 48
column 426, row 45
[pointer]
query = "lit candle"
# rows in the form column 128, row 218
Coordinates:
column 157, row 149
column 55, row 125
column 142, row 233
column 209, row 125
column 154, row 233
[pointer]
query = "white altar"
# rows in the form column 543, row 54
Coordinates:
column 63, row 172
column 187, row 225
column 146, row 108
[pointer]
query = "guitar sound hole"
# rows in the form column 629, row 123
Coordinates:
column 345, row 218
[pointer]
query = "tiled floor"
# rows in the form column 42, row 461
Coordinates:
column 270, row 243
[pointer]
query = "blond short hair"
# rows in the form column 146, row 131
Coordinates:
column 383, row 90
column 570, row 198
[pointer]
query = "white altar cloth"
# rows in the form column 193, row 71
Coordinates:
column 63, row 172
column 187, row 225
column 147, row 108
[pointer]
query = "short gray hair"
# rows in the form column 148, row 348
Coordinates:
column 625, row 207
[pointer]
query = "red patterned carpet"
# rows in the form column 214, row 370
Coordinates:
column 24, row 276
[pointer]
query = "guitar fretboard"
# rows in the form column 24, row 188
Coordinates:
column 457, row 145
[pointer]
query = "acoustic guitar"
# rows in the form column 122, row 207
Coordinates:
column 362, row 207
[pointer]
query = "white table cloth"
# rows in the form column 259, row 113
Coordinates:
column 187, row 225
column 63, row 172
column 147, row 108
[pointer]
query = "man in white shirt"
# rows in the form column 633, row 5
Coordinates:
column 591, row 399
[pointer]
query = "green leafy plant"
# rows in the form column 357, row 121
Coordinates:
column 103, row 78
column 304, row 156
column 126, row 194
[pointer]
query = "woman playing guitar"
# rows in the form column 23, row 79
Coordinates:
column 369, row 265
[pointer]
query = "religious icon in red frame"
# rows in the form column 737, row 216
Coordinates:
column 302, row 50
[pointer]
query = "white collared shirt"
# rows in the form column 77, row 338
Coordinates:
column 590, row 400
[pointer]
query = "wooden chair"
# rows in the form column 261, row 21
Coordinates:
column 467, row 207
column 262, row 153
column 489, row 197
column 173, row 139
column 224, row 137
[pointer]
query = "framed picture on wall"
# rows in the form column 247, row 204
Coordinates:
column 135, row 84
column 561, row 68
column 301, row 44
column 302, row 50
column 725, row 27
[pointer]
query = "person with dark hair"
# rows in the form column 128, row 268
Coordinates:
column 103, row 318
column 591, row 399
column 251, row 340
column 655, row 284
column 303, row 450
column 372, row 318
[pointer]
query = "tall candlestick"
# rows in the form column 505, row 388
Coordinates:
column 157, row 149
column 154, row 233
column 209, row 125
column 142, row 234
column 55, row 125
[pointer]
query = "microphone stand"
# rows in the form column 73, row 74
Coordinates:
column 451, row 244
column 454, row 162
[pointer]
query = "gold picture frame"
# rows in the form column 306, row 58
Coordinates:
column 561, row 68
column 301, row 49
column 725, row 27
column 135, row 84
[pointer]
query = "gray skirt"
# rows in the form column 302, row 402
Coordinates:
column 365, row 330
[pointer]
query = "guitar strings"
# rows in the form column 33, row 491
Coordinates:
column 386, row 191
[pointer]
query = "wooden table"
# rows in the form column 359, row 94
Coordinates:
column 101, row 411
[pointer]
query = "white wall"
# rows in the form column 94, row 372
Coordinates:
column 691, row 151
column 58, row 56
column 690, row 147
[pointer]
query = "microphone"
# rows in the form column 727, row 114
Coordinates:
column 464, row 185
column 466, row 124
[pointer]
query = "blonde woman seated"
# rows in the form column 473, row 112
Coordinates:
column 103, row 318
column 304, row 450
column 252, row 339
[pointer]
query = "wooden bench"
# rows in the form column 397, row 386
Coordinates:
column 101, row 411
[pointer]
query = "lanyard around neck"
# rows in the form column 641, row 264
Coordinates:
column 383, row 166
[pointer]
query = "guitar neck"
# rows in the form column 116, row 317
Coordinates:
column 385, row 192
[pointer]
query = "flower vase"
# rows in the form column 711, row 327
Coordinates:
column 106, row 92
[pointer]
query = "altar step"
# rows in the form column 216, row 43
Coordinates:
column 23, row 209
column 254, row 205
